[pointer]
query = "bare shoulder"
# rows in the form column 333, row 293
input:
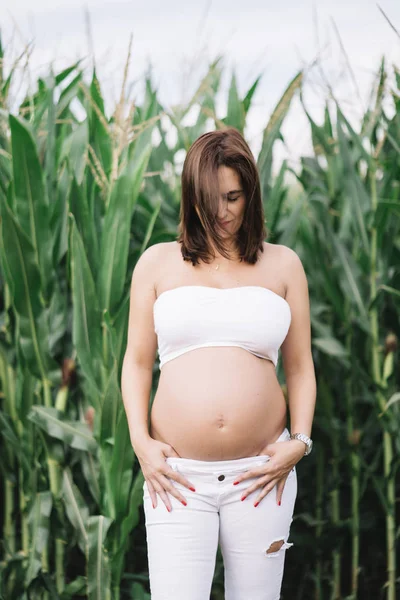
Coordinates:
column 281, row 252
column 289, row 263
column 150, row 258
column 151, row 253
column 142, row 341
column 289, row 257
column 151, row 264
column 286, row 256
column 143, row 272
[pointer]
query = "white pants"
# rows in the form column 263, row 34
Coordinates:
column 182, row 544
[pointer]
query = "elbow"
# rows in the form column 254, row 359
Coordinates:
column 302, row 367
column 137, row 360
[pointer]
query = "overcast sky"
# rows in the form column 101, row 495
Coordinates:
column 178, row 38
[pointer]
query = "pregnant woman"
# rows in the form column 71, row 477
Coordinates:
column 217, row 457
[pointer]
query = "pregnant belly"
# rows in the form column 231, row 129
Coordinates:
column 218, row 404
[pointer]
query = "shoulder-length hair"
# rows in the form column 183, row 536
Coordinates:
column 200, row 198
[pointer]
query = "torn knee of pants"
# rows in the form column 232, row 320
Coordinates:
column 277, row 546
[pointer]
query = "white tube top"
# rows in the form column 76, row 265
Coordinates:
column 196, row 316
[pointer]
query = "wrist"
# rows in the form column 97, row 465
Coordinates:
column 140, row 440
column 303, row 439
column 300, row 445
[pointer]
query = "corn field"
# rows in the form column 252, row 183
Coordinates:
column 80, row 200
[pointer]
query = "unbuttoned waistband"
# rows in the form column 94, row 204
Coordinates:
column 191, row 465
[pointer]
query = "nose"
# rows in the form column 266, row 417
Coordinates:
column 222, row 212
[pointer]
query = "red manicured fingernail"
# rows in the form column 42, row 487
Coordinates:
column 153, row 505
column 193, row 490
column 235, row 482
column 279, row 502
column 168, row 509
column 183, row 502
column 256, row 503
column 244, row 497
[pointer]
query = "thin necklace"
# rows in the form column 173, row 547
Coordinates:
column 217, row 267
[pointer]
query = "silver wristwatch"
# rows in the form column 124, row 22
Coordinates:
column 304, row 438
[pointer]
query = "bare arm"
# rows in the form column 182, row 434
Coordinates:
column 296, row 349
column 136, row 382
column 137, row 367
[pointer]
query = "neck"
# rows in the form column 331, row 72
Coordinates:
column 232, row 251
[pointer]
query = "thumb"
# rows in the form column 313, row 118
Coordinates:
column 270, row 449
column 168, row 450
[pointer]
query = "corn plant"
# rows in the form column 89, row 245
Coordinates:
column 67, row 202
column 348, row 235
column 80, row 200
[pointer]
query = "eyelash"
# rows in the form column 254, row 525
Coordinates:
column 234, row 199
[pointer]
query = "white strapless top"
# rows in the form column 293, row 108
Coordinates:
column 196, row 316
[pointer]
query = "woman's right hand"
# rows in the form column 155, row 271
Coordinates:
column 152, row 456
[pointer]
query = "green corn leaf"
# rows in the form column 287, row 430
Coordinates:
column 73, row 433
column 272, row 132
column 91, row 470
column 68, row 94
column 19, row 260
column 86, row 332
column 331, row 346
column 74, row 588
column 39, row 525
column 74, row 149
column 8, row 435
column 116, row 234
column 97, row 560
column 351, row 276
column 99, row 134
column 392, row 400
column 111, row 407
column 131, row 519
column 357, row 196
column 236, row 115
column 249, row 96
column 80, row 208
column 276, row 199
column 121, row 466
column 31, row 202
column 76, row 508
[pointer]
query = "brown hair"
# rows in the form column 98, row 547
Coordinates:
column 200, row 197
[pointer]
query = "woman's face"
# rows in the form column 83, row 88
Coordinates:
column 232, row 201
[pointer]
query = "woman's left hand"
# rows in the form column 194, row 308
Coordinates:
column 284, row 456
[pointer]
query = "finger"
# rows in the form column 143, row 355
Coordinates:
column 152, row 493
column 156, row 486
column 178, row 477
column 170, row 487
column 254, row 472
column 159, row 489
column 164, row 497
column 279, row 489
column 261, row 481
column 265, row 491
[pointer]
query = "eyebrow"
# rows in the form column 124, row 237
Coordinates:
column 234, row 191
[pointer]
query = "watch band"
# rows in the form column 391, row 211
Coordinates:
column 304, row 438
